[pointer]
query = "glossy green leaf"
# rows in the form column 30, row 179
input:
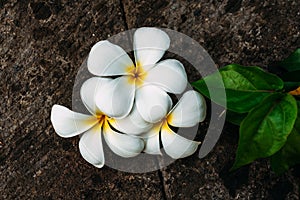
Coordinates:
column 291, row 63
column 245, row 87
column 289, row 155
column 266, row 128
column 235, row 118
column 289, row 68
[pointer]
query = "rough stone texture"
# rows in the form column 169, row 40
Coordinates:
column 248, row 32
column 42, row 47
column 244, row 32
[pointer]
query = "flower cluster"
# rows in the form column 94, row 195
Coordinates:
column 129, row 103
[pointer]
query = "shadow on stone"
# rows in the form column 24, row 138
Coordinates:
column 236, row 179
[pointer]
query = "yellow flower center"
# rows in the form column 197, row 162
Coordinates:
column 101, row 119
column 136, row 75
column 104, row 121
column 164, row 124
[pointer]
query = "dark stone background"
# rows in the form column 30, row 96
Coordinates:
column 43, row 44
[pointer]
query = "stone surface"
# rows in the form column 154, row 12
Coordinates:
column 247, row 32
column 244, row 32
column 42, row 47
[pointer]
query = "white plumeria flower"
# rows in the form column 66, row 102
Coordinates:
column 190, row 110
column 68, row 124
column 116, row 98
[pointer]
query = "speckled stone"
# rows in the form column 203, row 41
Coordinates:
column 245, row 32
column 42, row 47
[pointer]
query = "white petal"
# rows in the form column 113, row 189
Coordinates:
column 67, row 123
column 152, row 103
column 133, row 124
column 90, row 146
column 190, row 110
column 115, row 98
column 175, row 145
column 122, row 144
column 168, row 74
column 88, row 92
column 107, row 59
column 149, row 46
column 152, row 141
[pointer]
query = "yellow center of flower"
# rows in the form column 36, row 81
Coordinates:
column 103, row 121
column 164, row 124
column 100, row 120
column 137, row 74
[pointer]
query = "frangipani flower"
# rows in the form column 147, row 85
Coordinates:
column 68, row 124
column 190, row 110
column 116, row 98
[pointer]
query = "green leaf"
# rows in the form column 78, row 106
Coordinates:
column 266, row 128
column 234, row 117
column 245, row 87
column 291, row 63
column 289, row 68
column 289, row 155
